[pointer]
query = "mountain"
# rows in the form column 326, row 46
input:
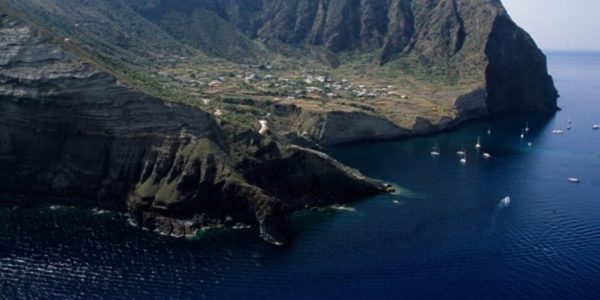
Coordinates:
column 211, row 112
column 71, row 133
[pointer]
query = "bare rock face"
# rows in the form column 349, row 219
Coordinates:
column 338, row 127
column 498, row 66
column 475, row 37
column 72, row 133
column 516, row 76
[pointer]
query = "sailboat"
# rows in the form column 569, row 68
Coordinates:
column 489, row 132
column 463, row 160
column 487, row 155
column 526, row 126
column 461, row 152
column 478, row 145
column 596, row 127
column 522, row 134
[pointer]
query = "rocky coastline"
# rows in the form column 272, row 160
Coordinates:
column 72, row 131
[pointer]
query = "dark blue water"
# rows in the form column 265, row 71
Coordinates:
column 447, row 234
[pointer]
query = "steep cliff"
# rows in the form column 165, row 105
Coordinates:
column 154, row 106
column 71, row 132
column 476, row 38
column 455, row 60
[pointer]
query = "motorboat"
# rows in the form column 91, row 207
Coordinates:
column 505, row 202
column 435, row 151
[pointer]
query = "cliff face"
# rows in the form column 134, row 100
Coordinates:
column 434, row 29
column 317, row 71
column 73, row 133
column 437, row 31
column 516, row 75
column 455, row 59
column 476, row 38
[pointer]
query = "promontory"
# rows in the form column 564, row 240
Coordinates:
column 191, row 113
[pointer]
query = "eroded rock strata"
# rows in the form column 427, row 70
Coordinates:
column 73, row 132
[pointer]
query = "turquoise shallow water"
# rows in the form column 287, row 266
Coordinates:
column 446, row 234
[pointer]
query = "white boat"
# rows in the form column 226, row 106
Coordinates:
column 522, row 134
column 596, row 127
column 489, row 132
column 487, row 155
column 461, row 152
column 558, row 131
column 569, row 127
column 478, row 145
column 529, row 144
column 505, row 202
column 463, row 161
column 574, row 180
column 526, row 126
column 435, row 153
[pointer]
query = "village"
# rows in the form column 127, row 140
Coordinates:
column 243, row 94
column 260, row 81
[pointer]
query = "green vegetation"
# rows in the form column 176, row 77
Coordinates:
column 185, row 52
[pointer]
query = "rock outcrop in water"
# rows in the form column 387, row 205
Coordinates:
column 70, row 132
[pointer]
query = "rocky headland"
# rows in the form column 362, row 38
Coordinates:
column 197, row 113
column 72, row 133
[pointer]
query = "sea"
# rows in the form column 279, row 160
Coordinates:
column 511, row 226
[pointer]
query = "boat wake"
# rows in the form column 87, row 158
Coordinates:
column 343, row 208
